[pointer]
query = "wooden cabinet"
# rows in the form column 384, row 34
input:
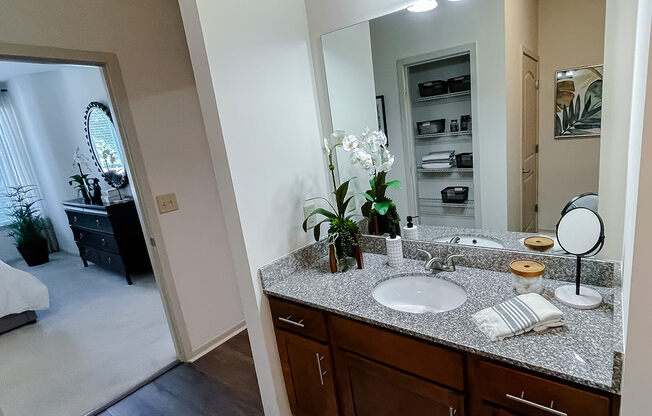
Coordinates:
column 109, row 236
column 338, row 366
column 308, row 374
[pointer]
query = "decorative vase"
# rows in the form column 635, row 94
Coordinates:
column 35, row 253
column 337, row 250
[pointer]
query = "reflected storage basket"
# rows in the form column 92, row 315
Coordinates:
column 464, row 160
column 431, row 126
column 431, row 88
column 455, row 194
column 459, row 84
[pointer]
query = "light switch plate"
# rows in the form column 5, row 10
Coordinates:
column 167, row 203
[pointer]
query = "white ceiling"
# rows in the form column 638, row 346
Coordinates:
column 11, row 69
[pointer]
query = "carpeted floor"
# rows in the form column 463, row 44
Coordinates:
column 99, row 338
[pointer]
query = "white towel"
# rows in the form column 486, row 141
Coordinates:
column 516, row 316
column 439, row 156
column 437, row 165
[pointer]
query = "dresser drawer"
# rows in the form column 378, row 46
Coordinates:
column 111, row 261
column 97, row 222
column 417, row 357
column 536, row 396
column 88, row 253
column 94, row 239
column 299, row 319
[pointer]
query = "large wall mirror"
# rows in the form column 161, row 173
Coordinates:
column 491, row 109
column 104, row 145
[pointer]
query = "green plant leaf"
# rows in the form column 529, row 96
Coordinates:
column 317, row 211
column 564, row 120
column 340, row 194
column 369, row 198
column 382, row 207
column 557, row 125
column 317, row 229
column 396, row 184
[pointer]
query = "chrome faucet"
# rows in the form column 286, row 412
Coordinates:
column 436, row 265
column 454, row 240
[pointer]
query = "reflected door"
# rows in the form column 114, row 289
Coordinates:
column 530, row 144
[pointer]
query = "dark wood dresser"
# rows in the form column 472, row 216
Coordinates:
column 109, row 236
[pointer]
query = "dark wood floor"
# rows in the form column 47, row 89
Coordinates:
column 223, row 382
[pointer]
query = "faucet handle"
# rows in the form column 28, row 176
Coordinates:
column 449, row 259
column 427, row 253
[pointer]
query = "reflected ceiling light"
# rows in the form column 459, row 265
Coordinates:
column 422, row 6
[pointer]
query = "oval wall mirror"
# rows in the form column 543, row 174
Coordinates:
column 103, row 143
column 587, row 200
column 580, row 232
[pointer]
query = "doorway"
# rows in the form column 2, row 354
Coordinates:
column 530, row 144
column 96, row 336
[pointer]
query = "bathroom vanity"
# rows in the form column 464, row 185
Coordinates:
column 342, row 352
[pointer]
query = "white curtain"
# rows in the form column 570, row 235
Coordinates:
column 15, row 163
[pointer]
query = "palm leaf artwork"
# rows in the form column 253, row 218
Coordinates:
column 582, row 115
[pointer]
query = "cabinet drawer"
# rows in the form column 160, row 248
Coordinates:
column 88, row 253
column 111, row 261
column 299, row 319
column 434, row 363
column 91, row 221
column 101, row 241
column 536, row 396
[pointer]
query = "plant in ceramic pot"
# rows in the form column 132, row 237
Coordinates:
column 343, row 232
column 26, row 225
column 369, row 151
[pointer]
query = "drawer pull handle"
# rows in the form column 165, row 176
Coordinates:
column 109, row 259
column 536, row 405
column 103, row 242
column 74, row 218
column 97, row 222
column 321, row 372
column 291, row 322
column 81, row 236
column 451, row 411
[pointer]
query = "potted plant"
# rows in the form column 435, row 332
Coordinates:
column 343, row 232
column 81, row 180
column 369, row 150
column 27, row 225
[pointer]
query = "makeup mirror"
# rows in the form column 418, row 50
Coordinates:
column 580, row 232
column 587, row 200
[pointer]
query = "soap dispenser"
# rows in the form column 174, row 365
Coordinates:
column 410, row 231
column 394, row 249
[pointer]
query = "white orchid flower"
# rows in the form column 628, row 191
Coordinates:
column 337, row 136
column 350, row 143
column 325, row 148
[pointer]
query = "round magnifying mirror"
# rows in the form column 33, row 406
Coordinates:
column 588, row 200
column 103, row 142
column 580, row 232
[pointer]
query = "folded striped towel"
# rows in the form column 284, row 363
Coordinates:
column 516, row 316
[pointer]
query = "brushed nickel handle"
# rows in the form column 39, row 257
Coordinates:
column 451, row 411
column 525, row 172
column 291, row 322
column 109, row 258
column 103, row 242
column 321, row 372
column 74, row 218
column 81, row 236
column 97, row 222
column 536, row 405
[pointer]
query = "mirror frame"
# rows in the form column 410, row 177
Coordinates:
column 599, row 243
column 115, row 181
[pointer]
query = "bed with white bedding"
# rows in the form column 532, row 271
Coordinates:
column 20, row 295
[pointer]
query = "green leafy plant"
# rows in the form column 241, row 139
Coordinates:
column 27, row 225
column 576, row 120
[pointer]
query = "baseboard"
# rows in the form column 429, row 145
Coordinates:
column 217, row 341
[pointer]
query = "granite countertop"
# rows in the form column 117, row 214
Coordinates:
column 587, row 350
column 510, row 240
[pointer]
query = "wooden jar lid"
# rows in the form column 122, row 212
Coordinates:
column 527, row 268
column 539, row 243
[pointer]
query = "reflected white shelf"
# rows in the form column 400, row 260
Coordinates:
column 434, row 202
column 444, row 134
column 445, row 170
column 442, row 96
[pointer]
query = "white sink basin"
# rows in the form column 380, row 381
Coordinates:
column 419, row 294
column 468, row 240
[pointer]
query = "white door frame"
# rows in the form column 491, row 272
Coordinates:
column 145, row 206
column 403, row 66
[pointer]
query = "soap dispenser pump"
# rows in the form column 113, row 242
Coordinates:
column 410, row 231
column 394, row 249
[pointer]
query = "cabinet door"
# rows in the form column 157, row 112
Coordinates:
column 489, row 410
column 308, row 374
column 372, row 389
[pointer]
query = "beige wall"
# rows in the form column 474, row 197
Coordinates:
column 521, row 32
column 571, row 34
column 148, row 38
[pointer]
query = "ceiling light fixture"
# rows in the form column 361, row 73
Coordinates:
column 422, row 6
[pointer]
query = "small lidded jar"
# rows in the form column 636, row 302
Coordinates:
column 527, row 276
